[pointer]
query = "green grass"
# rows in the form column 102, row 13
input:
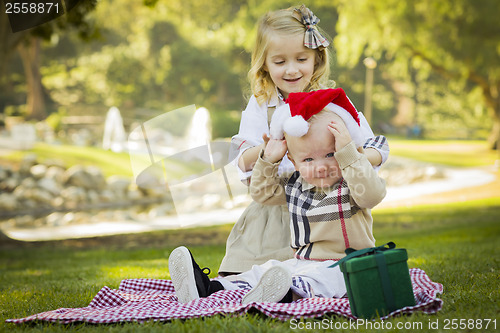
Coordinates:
column 109, row 162
column 456, row 244
column 456, row 153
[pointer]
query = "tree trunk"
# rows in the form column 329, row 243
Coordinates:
column 494, row 138
column 8, row 44
column 405, row 107
column 491, row 95
column 30, row 55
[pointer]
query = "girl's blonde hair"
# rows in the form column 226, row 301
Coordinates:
column 283, row 22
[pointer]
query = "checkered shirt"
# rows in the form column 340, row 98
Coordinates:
column 306, row 207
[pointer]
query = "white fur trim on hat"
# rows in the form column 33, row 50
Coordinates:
column 281, row 114
column 351, row 124
column 282, row 121
column 296, row 126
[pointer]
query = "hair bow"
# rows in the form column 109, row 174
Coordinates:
column 313, row 38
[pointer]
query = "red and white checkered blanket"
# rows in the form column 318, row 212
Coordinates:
column 149, row 299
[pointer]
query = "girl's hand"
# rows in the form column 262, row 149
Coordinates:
column 274, row 150
column 341, row 134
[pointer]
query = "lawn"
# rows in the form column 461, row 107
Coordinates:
column 456, row 153
column 456, row 244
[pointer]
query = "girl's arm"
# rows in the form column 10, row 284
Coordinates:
column 366, row 187
column 373, row 156
column 247, row 160
column 253, row 124
column 249, row 157
column 376, row 148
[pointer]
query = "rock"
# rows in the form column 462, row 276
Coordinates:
column 38, row 171
column 50, row 185
column 107, row 196
column 27, row 162
column 98, row 177
column 88, row 178
column 11, row 183
column 25, row 220
column 73, row 196
column 80, row 217
column 28, row 183
column 134, row 194
column 119, row 185
column 93, row 197
column 56, row 173
column 161, row 210
column 4, row 173
column 8, row 202
column 58, row 202
column 39, row 195
column 55, row 219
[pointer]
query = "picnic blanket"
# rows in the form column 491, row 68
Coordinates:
column 151, row 299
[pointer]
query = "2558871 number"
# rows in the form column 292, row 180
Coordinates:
column 471, row 324
column 31, row 8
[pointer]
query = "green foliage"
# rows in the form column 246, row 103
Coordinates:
column 442, row 55
column 437, row 62
column 54, row 120
column 225, row 123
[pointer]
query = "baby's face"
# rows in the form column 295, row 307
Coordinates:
column 313, row 155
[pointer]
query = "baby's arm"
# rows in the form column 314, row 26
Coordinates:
column 265, row 185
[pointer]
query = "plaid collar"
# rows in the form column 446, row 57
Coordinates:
column 308, row 187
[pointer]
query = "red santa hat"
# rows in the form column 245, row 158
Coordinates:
column 292, row 117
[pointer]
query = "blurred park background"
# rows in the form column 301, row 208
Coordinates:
column 79, row 94
column 426, row 74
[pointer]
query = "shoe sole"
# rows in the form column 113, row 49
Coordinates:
column 180, row 266
column 272, row 286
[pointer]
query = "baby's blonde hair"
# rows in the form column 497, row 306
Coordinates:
column 283, row 22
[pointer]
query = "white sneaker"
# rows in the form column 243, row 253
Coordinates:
column 272, row 286
column 181, row 272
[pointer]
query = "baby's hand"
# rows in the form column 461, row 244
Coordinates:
column 275, row 150
column 341, row 134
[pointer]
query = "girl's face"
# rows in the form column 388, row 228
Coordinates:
column 289, row 63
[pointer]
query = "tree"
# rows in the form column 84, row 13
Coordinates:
column 459, row 40
column 27, row 43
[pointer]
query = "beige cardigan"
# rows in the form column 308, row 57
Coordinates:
column 328, row 239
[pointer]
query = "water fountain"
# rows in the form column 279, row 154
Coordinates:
column 114, row 133
column 203, row 184
column 199, row 132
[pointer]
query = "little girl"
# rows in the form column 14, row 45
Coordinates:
column 290, row 55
